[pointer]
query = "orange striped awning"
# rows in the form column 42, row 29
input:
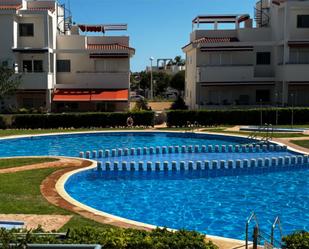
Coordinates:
column 75, row 95
column 10, row 7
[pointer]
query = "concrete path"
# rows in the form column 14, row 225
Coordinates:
column 32, row 221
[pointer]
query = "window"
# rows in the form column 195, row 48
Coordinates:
column 38, row 66
column 26, row 29
column 262, row 96
column 263, row 58
column 63, row 66
column 27, row 66
column 303, row 21
column 35, row 66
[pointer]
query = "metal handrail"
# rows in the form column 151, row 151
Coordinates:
column 276, row 222
column 252, row 217
column 261, row 13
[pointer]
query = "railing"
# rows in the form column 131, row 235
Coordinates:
column 261, row 17
column 258, row 235
column 36, row 80
column 266, row 133
column 254, row 218
column 82, row 80
column 213, row 73
column 275, row 224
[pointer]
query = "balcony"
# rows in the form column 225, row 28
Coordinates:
column 93, row 80
column 293, row 72
column 234, row 73
column 227, row 73
column 36, row 81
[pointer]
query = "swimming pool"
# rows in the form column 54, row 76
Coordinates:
column 216, row 205
column 71, row 144
column 216, row 201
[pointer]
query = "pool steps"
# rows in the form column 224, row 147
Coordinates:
column 203, row 165
column 182, row 149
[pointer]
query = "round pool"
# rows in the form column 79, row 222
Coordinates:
column 215, row 202
column 211, row 204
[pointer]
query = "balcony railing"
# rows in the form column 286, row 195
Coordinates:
column 233, row 73
column 89, row 79
column 293, row 72
column 224, row 73
column 36, row 81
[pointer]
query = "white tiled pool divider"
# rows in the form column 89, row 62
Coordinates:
column 183, row 149
column 151, row 150
column 114, row 152
column 140, row 165
column 124, row 166
column 149, row 166
column 101, row 153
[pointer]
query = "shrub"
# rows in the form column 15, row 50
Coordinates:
column 81, row 120
column 235, row 117
column 2, row 123
column 298, row 240
column 141, row 105
column 179, row 104
column 117, row 238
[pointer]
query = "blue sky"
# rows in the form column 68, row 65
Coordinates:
column 157, row 28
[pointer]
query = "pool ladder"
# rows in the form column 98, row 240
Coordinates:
column 268, row 129
column 258, row 235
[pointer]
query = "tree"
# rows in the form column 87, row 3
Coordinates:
column 179, row 104
column 162, row 81
column 178, row 81
column 179, row 61
column 141, row 105
column 144, row 80
column 9, row 81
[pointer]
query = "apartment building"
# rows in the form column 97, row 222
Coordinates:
column 62, row 67
column 232, row 62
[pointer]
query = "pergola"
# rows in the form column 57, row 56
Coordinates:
column 216, row 19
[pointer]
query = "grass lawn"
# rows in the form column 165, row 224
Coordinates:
column 18, row 162
column 20, row 194
column 302, row 143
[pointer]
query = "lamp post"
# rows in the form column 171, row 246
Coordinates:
column 151, row 78
column 276, row 94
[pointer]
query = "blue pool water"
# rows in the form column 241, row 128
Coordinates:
column 209, row 203
column 71, row 145
column 213, row 202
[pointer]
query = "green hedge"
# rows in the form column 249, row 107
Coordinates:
column 298, row 240
column 116, row 238
column 2, row 123
column 79, row 120
column 236, row 117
